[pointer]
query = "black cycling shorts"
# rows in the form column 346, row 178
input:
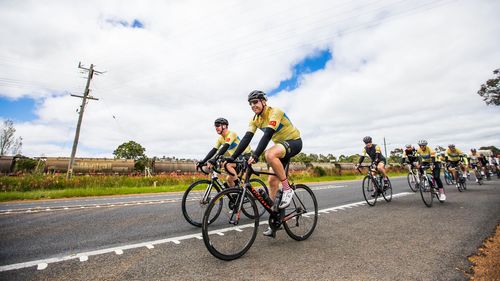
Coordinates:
column 292, row 148
column 454, row 164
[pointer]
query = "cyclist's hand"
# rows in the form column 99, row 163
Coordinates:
column 356, row 166
column 251, row 160
column 199, row 165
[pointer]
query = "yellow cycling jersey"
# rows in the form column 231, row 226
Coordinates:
column 277, row 120
column 454, row 155
column 233, row 140
column 426, row 154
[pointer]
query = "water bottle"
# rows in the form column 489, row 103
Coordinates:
column 266, row 197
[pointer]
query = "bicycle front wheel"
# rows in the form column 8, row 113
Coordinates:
column 369, row 190
column 230, row 235
column 426, row 191
column 301, row 216
column 195, row 201
column 388, row 191
column 412, row 182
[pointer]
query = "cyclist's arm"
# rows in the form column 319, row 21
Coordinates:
column 245, row 141
column 264, row 141
column 222, row 150
column 210, row 154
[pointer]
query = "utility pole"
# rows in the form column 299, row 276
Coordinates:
column 385, row 148
column 80, row 117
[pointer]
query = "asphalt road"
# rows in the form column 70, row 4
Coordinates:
column 146, row 238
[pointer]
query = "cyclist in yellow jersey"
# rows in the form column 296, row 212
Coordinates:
column 287, row 143
column 454, row 158
column 224, row 146
column 428, row 156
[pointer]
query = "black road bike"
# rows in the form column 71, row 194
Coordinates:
column 413, row 178
column 427, row 186
column 374, row 186
column 231, row 235
column 197, row 196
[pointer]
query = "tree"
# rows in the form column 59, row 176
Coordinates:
column 396, row 155
column 494, row 149
column 129, row 150
column 490, row 91
column 8, row 142
column 439, row 149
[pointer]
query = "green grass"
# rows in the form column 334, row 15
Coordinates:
column 103, row 191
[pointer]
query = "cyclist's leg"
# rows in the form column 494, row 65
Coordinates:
column 436, row 173
column 381, row 168
column 273, row 156
column 231, row 168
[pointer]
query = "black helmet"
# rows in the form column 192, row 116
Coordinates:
column 422, row 142
column 473, row 150
column 221, row 120
column 257, row 95
column 451, row 145
column 367, row 139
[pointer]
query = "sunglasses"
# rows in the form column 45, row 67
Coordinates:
column 252, row 102
column 218, row 125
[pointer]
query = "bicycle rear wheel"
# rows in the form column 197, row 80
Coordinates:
column 257, row 184
column 426, row 191
column 448, row 178
column 412, row 182
column 230, row 235
column 369, row 189
column 301, row 216
column 388, row 191
column 194, row 203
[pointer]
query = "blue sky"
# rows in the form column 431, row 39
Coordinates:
column 309, row 64
column 19, row 110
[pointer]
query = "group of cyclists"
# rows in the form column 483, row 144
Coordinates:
column 277, row 127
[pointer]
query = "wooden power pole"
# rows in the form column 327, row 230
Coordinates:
column 84, row 98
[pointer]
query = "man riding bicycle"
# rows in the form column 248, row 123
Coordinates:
column 375, row 153
column 455, row 159
column 287, row 143
column 225, row 145
column 475, row 164
column 409, row 156
column 427, row 157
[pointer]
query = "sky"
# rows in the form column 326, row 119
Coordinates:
column 341, row 70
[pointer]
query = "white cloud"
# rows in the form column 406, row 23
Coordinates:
column 412, row 75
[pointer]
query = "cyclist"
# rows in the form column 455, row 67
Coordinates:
column 287, row 143
column 226, row 143
column 483, row 161
column 375, row 153
column 428, row 156
column 474, row 164
column 494, row 165
column 454, row 159
column 409, row 156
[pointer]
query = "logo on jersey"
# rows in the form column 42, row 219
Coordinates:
column 272, row 123
column 228, row 139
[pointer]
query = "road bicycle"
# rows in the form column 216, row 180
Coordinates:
column 448, row 177
column 412, row 177
column 373, row 186
column 427, row 186
column 460, row 180
column 197, row 196
column 478, row 173
column 231, row 235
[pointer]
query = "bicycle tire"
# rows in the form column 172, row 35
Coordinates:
column 261, row 209
column 387, row 193
column 300, row 227
column 368, row 189
column 193, row 213
column 426, row 191
column 226, row 240
column 412, row 178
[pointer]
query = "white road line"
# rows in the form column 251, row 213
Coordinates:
column 84, row 258
column 43, row 263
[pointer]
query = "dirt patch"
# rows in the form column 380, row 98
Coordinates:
column 487, row 259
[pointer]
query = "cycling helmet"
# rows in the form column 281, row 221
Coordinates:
column 257, row 95
column 408, row 146
column 422, row 142
column 451, row 145
column 367, row 139
column 473, row 150
column 221, row 120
